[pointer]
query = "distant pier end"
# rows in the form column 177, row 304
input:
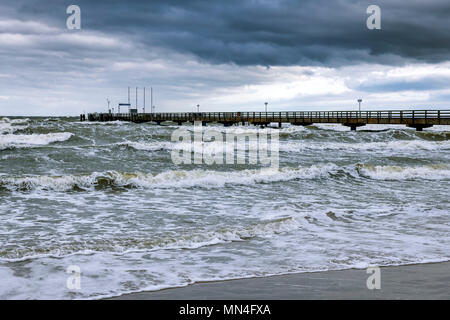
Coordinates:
column 418, row 119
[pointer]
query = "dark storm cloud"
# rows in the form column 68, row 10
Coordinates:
column 210, row 52
column 270, row 32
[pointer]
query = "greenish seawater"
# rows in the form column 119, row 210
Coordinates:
column 107, row 197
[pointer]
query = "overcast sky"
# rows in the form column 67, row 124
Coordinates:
column 225, row 55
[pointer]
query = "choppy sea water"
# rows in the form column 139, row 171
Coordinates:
column 107, row 197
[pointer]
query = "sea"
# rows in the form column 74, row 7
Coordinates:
column 92, row 210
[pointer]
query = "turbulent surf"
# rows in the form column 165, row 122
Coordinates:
column 108, row 198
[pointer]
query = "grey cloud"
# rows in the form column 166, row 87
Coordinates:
column 203, row 48
column 283, row 32
column 422, row 84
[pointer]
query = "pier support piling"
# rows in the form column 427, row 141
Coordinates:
column 419, row 127
column 353, row 126
column 301, row 123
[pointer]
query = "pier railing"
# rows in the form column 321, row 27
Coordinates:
column 394, row 114
column 416, row 118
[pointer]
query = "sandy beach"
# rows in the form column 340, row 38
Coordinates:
column 421, row 281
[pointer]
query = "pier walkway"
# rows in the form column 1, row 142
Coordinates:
column 418, row 119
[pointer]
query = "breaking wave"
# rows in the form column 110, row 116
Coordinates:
column 14, row 121
column 408, row 145
column 167, row 179
column 216, row 179
column 429, row 172
column 9, row 141
column 8, row 126
column 292, row 145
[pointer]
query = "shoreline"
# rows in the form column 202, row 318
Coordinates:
column 414, row 281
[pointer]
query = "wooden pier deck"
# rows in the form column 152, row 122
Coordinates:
column 418, row 119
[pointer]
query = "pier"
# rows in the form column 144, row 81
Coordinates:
column 418, row 119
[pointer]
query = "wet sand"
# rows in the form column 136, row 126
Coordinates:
column 420, row 281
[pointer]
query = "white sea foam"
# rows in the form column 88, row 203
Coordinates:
column 20, row 121
column 106, row 123
column 8, row 126
column 167, row 179
column 429, row 172
column 397, row 145
column 255, row 129
column 15, row 121
column 207, row 178
column 183, row 226
column 56, row 183
column 183, row 240
column 205, row 146
column 216, row 179
column 295, row 145
column 31, row 140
